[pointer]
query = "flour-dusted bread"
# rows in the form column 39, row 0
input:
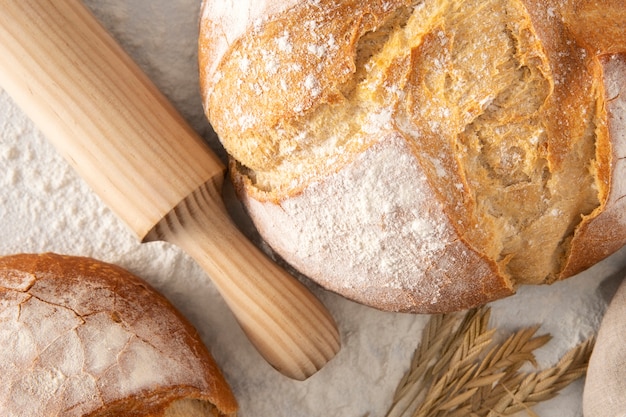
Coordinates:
column 424, row 156
column 81, row 337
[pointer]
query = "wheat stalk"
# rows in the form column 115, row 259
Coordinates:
column 458, row 371
column 437, row 336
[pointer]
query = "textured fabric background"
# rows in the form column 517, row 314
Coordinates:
column 605, row 388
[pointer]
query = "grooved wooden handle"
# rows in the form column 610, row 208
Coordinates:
column 127, row 141
column 100, row 110
column 274, row 310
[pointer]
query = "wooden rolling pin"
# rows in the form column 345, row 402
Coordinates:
column 127, row 141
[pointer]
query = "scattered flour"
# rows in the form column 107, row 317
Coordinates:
column 46, row 207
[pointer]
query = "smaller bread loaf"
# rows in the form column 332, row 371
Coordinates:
column 424, row 155
column 81, row 337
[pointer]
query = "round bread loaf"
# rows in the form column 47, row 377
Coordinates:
column 84, row 338
column 424, row 156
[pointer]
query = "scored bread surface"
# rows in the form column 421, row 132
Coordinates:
column 84, row 338
column 424, row 156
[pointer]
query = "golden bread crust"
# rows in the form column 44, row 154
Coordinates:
column 509, row 135
column 88, row 338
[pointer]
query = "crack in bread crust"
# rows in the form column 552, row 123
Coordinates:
column 501, row 103
column 489, row 131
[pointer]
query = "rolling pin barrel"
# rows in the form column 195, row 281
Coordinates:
column 134, row 149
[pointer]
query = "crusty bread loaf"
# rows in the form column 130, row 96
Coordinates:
column 84, row 338
column 424, row 156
